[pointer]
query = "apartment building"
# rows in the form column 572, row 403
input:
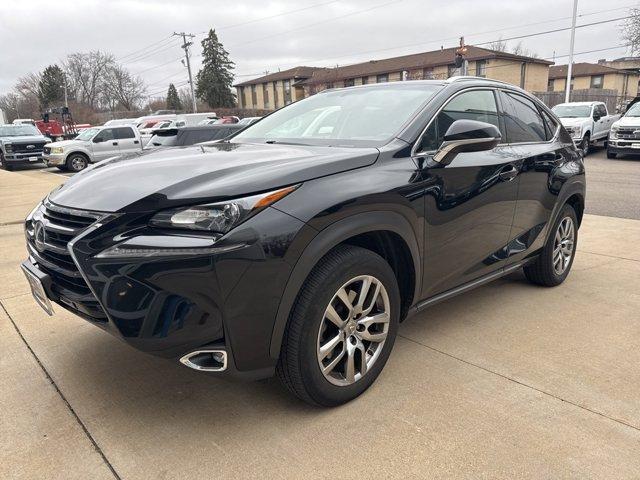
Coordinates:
column 268, row 92
column 594, row 76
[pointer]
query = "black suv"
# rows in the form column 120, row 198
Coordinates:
column 297, row 246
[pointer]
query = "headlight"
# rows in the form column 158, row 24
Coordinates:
column 218, row 217
column 614, row 132
column 56, row 150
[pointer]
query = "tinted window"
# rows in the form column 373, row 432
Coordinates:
column 191, row 137
column 479, row 105
column 601, row 110
column 124, row 132
column 522, row 119
column 106, row 134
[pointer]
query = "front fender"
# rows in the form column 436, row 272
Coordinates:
column 328, row 238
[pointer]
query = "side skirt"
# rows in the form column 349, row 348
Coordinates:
column 478, row 282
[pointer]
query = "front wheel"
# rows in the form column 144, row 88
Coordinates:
column 552, row 267
column 341, row 329
column 611, row 154
column 76, row 162
column 4, row 164
column 585, row 144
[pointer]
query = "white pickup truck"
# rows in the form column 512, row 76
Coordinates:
column 92, row 145
column 625, row 134
column 587, row 122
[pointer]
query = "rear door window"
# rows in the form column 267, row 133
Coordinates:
column 523, row 121
column 123, row 133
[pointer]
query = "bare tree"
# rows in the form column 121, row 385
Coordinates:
column 631, row 30
column 87, row 75
column 499, row 45
column 29, row 85
column 123, row 90
column 519, row 49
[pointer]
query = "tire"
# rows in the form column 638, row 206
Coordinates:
column 611, row 154
column 4, row 163
column 585, row 144
column 76, row 162
column 345, row 268
column 544, row 271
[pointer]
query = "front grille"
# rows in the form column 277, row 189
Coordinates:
column 629, row 133
column 49, row 232
column 34, row 147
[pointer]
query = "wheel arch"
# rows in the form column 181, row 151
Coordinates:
column 381, row 232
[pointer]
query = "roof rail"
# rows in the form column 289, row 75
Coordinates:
column 461, row 78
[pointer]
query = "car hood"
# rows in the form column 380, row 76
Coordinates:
column 185, row 175
column 573, row 122
column 67, row 143
column 25, row 139
column 628, row 122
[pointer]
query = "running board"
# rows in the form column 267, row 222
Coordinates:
column 478, row 282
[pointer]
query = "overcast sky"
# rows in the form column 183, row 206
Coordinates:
column 265, row 35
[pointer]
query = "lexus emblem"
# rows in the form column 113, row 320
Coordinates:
column 30, row 147
column 39, row 236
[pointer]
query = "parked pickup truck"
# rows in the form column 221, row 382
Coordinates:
column 20, row 144
column 92, row 145
column 624, row 137
column 587, row 122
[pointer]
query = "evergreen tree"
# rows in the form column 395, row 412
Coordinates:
column 213, row 82
column 173, row 100
column 50, row 87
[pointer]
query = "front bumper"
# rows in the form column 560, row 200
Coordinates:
column 624, row 147
column 23, row 158
column 170, row 305
column 54, row 159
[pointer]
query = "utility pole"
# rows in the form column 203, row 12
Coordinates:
column 186, row 46
column 567, row 93
column 64, row 86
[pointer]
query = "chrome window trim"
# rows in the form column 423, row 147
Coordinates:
column 424, row 130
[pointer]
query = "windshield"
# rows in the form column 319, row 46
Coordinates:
column 368, row 116
column 87, row 134
column 572, row 111
column 18, row 131
column 634, row 111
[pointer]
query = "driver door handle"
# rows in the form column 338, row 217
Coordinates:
column 508, row 173
column 115, row 143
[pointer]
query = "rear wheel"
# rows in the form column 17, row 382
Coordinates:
column 341, row 329
column 554, row 263
column 76, row 162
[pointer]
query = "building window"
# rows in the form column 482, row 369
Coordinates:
column 365, row 80
column 481, row 68
column 287, row 92
column 452, row 70
column 427, row 73
column 382, row 78
column 349, row 82
column 275, row 94
column 550, row 85
column 254, row 96
column 596, row 81
column 265, row 94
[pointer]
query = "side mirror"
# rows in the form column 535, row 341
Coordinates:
column 467, row 136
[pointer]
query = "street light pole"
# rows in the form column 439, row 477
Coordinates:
column 567, row 93
column 186, row 46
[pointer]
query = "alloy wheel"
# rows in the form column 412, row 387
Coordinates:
column 353, row 330
column 563, row 245
column 78, row 163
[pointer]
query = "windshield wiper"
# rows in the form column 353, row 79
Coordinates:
column 279, row 142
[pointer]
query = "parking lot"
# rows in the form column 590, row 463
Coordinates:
column 543, row 383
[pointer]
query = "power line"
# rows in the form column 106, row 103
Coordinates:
column 227, row 27
column 152, row 52
column 304, row 27
column 469, row 35
column 177, row 85
column 144, row 48
column 157, row 66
